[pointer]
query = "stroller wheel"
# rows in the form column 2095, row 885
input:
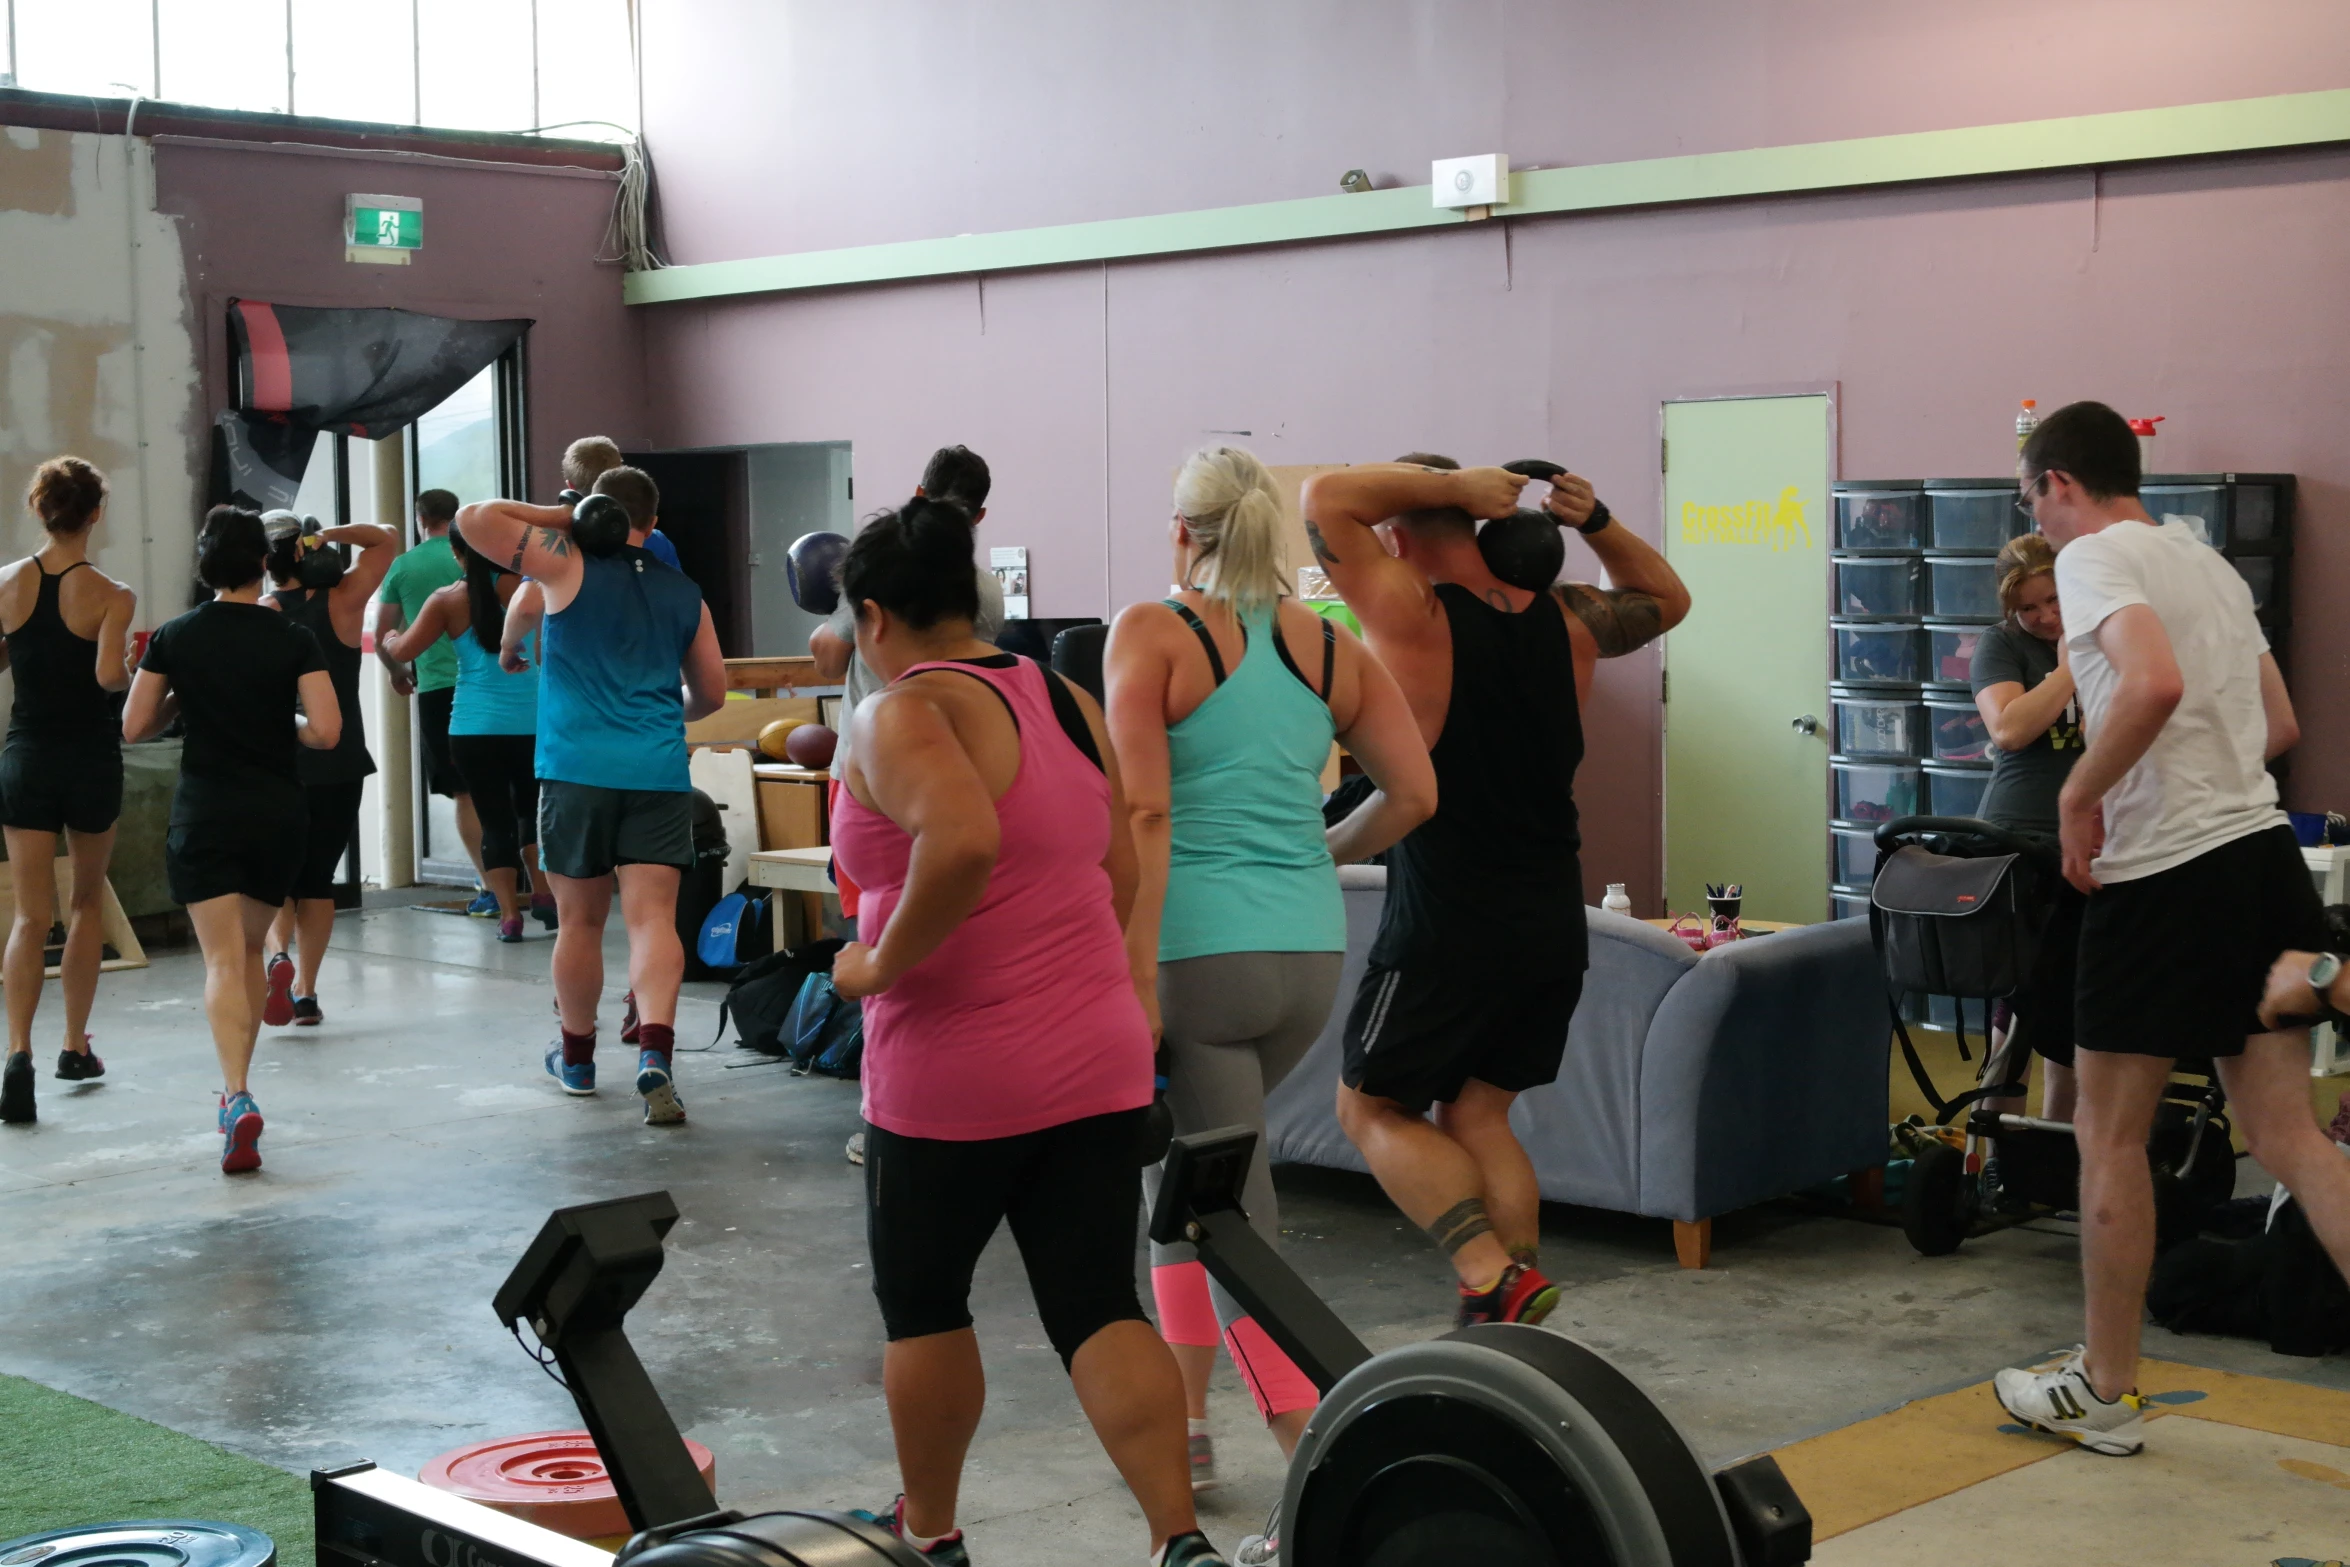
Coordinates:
column 1937, row 1204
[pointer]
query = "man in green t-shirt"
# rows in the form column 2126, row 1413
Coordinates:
column 414, row 577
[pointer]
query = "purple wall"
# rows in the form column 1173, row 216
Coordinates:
column 265, row 222
column 2205, row 292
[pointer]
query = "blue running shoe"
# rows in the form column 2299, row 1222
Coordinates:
column 580, row 1079
column 948, row 1550
column 240, row 1126
column 484, row 905
column 658, row 1089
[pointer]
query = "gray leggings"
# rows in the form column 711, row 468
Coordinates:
column 1236, row 1023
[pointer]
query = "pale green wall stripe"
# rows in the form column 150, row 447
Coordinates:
column 2129, row 136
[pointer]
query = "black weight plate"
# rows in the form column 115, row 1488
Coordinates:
column 168, row 1542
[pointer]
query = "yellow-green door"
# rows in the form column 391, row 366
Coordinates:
column 1747, row 524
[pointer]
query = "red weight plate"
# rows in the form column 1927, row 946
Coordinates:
column 554, row 1479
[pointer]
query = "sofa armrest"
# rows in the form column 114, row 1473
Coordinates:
column 1765, row 1072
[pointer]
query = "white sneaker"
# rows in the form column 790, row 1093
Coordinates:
column 2056, row 1397
column 1262, row 1550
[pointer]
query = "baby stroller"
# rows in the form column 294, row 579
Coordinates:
column 1958, row 908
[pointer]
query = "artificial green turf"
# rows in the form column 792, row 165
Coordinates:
column 67, row 1461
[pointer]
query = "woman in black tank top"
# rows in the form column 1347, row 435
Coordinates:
column 65, row 625
column 311, row 588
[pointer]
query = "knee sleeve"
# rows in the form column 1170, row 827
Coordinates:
column 1186, row 1314
column 1272, row 1377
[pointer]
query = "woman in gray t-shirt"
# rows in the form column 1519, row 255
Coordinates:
column 2023, row 684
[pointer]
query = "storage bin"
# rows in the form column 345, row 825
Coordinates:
column 1950, row 652
column 2205, row 506
column 1872, row 721
column 2260, row 575
column 1871, row 653
column 1960, row 734
column 1848, row 903
column 1855, row 863
column 1965, row 587
column 2254, row 516
column 1887, row 519
column 1955, row 790
column 1974, row 519
column 1870, row 587
column 1873, row 792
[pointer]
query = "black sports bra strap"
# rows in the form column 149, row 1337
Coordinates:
column 1199, row 628
column 1329, row 655
column 68, row 571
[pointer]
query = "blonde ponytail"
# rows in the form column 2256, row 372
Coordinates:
column 1233, row 513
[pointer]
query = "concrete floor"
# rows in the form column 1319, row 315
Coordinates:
column 336, row 1306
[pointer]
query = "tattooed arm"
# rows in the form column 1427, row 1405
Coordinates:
column 1343, row 506
column 1647, row 598
column 534, row 541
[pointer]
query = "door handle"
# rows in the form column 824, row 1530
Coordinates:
column 1806, row 725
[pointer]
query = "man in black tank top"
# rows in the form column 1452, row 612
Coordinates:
column 1480, row 956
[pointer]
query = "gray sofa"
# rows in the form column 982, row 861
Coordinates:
column 1691, row 1086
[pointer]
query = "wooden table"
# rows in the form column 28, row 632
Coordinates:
column 792, row 871
column 773, row 676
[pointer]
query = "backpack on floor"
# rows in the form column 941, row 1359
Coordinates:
column 703, row 884
column 763, row 992
column 824, row 1033
column 734, row 932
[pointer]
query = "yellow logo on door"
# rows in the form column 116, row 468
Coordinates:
column 1748, row 522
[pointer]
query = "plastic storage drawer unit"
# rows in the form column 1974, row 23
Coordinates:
column 1872, row 792
column 1848, row 903
column 1889, row 518
column 2260, row 575
column 1873, row 653
column 1963, row 587
column 1855, row 864
column 1960, row 735
column 1977, row 518
column 1955, row 790
column 1870, row 587
column 1950, row 652
column 2204, row 506
column 1879, row 721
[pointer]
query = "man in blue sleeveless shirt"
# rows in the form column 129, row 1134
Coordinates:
column 629, row 657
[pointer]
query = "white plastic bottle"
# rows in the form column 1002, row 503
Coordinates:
column 2026, row 422
column 1616, row 901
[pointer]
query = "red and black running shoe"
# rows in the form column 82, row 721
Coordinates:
column 629, row 1021
column 1522, row 1295
column 278, row 1009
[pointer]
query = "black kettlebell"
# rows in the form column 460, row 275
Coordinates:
column 322, row 565
column 1525, row 549
column 599, row 525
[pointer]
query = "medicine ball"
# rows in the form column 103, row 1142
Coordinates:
column 599, row 525
column 812, row 569
column 811, row 746
column 774, row 737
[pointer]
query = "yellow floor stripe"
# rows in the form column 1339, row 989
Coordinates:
column 1935, row 1446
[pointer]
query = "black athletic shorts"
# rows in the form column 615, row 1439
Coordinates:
column 2045, row 1003
column 2174, row 964
column 56, row 786
column 1072, row 1192
column 334, row 818
column 587, row 831
column 1419, row 1032
column 245, row 841
column 441, row 776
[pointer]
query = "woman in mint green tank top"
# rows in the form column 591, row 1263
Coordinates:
column 1223, row 704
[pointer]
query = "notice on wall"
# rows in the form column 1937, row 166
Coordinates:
column 1009, row 562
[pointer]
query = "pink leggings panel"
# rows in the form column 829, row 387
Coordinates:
column 1188, row 1316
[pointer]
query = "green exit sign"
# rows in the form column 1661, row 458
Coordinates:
column 382, row 228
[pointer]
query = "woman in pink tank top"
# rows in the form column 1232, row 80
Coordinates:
column 1007, row 1057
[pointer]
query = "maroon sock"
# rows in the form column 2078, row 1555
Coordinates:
column 578, row 1049
column 656, row 1036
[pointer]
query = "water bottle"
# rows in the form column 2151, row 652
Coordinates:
column 2026, row 422
column 1616, row 902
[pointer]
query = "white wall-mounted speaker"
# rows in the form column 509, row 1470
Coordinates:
column 1482, row 181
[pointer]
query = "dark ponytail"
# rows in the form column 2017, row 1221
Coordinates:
column 230, row 548
column 487, row 615
column 916, row 563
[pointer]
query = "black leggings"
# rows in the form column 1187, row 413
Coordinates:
column 501, row 773
column 1072, row 1193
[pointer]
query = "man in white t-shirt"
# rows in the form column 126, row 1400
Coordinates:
column 2170, row 823
column 955, row 473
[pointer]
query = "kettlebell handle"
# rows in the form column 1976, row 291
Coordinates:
column 1534, row 468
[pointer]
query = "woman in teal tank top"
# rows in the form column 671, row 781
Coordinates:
column 1223, row 703
column 493, row 729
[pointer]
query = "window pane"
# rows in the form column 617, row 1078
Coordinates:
column 584, row 67
column 225, row 54
column 355, row 60
column 317, row 498
column 97, row 47
column 476, row 56
column 457, row 443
